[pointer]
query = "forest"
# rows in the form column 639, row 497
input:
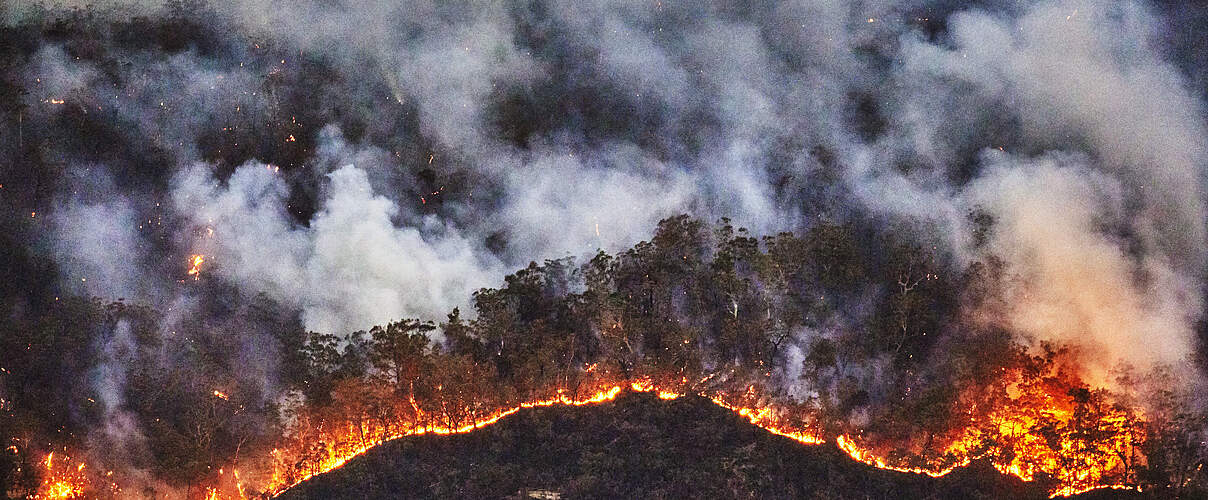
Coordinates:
column 243, row 243
column 699, row 308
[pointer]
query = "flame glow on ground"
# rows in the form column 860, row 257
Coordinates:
column 64, row 478
column 1031, row 455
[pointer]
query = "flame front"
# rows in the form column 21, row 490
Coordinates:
column 1035, row 436
column 342, row 446
column 1050, row 430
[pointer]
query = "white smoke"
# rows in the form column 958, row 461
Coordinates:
column 351, row 269
column 1106, row 249
column 1072, row 282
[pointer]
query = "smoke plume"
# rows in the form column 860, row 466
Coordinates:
column 363, row 162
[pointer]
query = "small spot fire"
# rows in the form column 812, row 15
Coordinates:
column 195, row 262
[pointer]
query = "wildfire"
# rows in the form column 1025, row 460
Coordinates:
column 1031, row 438
column 1022, row 445
column 195, row 262
column 645, row 385
column 226, row 487
column 62, row 479
column 849, row 446
column 338, row 455
column 1028, row 452
column 767, row 419
column 353, row 445
column 1077, row 443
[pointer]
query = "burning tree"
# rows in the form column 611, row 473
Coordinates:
column 814, row 360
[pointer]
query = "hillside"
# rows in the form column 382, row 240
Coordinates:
column 635, row 447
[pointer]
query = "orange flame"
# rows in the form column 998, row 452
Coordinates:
column 1070, row 466
column 1028, row 453
column 1076, row 447
column 63, row 479
column 195, row 262
column 338, row 454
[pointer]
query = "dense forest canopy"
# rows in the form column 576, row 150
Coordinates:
column 243, row 241
column 699, row 308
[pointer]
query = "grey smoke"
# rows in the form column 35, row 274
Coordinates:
column 1084, row 77
column 98, row 251
column 1062, row 119
column 121, row 433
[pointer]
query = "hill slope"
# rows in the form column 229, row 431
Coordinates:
column 635, row 447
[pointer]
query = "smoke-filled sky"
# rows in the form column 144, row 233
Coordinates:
column 366, row 161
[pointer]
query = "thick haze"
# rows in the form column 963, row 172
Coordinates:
column 433, row 146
